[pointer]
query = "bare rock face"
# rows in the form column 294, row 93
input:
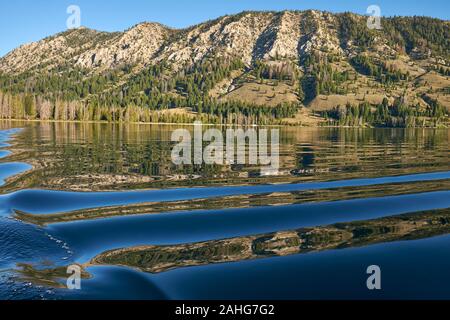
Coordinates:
column 138, row 44
column 323, row 37
column 240, row 37
column 51, row 51
column 190, row 45
column 287, row 36
column 280, row 38
column 231, row 36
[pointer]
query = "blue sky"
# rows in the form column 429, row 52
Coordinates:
column 23, row 21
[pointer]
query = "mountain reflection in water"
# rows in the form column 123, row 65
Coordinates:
column 109, row 199
column 338, row 236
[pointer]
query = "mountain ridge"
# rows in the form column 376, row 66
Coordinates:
column 312, row 58
column 156, row 28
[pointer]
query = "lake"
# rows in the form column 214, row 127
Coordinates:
column 108, row 198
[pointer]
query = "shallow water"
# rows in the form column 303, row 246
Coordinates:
column 345, row 199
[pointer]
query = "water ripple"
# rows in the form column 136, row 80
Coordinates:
column 48, row 202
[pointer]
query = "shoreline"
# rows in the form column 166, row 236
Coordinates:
column 210, row 124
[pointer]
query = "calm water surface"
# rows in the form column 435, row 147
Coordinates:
column 109, row 198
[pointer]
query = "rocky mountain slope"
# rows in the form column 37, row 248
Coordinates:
column 309, row 58
column 249, row 35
